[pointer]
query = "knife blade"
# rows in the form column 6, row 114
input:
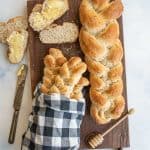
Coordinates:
column 21, row 74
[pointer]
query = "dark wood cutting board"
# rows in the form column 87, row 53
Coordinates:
column 119, row 137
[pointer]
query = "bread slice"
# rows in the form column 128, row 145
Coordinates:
column 6, row 28
column 17, row 42
column 66, row 33
column 50, row 11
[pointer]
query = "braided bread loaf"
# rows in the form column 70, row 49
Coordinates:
column 62, row 76
column 99, row 41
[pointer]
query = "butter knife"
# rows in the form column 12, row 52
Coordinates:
column 21, row 74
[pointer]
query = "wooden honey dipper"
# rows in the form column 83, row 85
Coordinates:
column 98, row 139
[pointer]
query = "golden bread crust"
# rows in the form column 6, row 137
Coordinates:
column 96, row 17
column 98, row 98
column 77, row 91
column 114, row 10
column 90, row 45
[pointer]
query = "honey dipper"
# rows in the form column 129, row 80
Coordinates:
column 97, row 140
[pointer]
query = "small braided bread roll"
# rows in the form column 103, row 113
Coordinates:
column 62, row 76
column 99, row 41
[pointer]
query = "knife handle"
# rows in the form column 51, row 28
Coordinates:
column 13, row 128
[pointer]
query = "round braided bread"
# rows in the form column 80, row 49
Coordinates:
column 99, row 41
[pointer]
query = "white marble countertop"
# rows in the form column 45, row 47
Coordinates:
column 137, row 37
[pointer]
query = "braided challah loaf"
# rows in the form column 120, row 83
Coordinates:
column 62, row 76
column 99, row 40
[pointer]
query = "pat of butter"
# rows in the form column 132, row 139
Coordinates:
column 16, row 39
column 20, row 70
column 52, row 8
column 54, row 3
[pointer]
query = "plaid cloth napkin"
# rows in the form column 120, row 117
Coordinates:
column 54, row 123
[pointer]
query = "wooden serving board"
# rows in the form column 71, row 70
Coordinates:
column 119, row 137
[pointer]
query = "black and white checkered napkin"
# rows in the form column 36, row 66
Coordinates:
column 54, row 123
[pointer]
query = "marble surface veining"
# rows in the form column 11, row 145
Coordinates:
column 137, row 39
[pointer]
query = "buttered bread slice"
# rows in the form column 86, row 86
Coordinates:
column 14, row 34
column 45, row 14
column 17, row 42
